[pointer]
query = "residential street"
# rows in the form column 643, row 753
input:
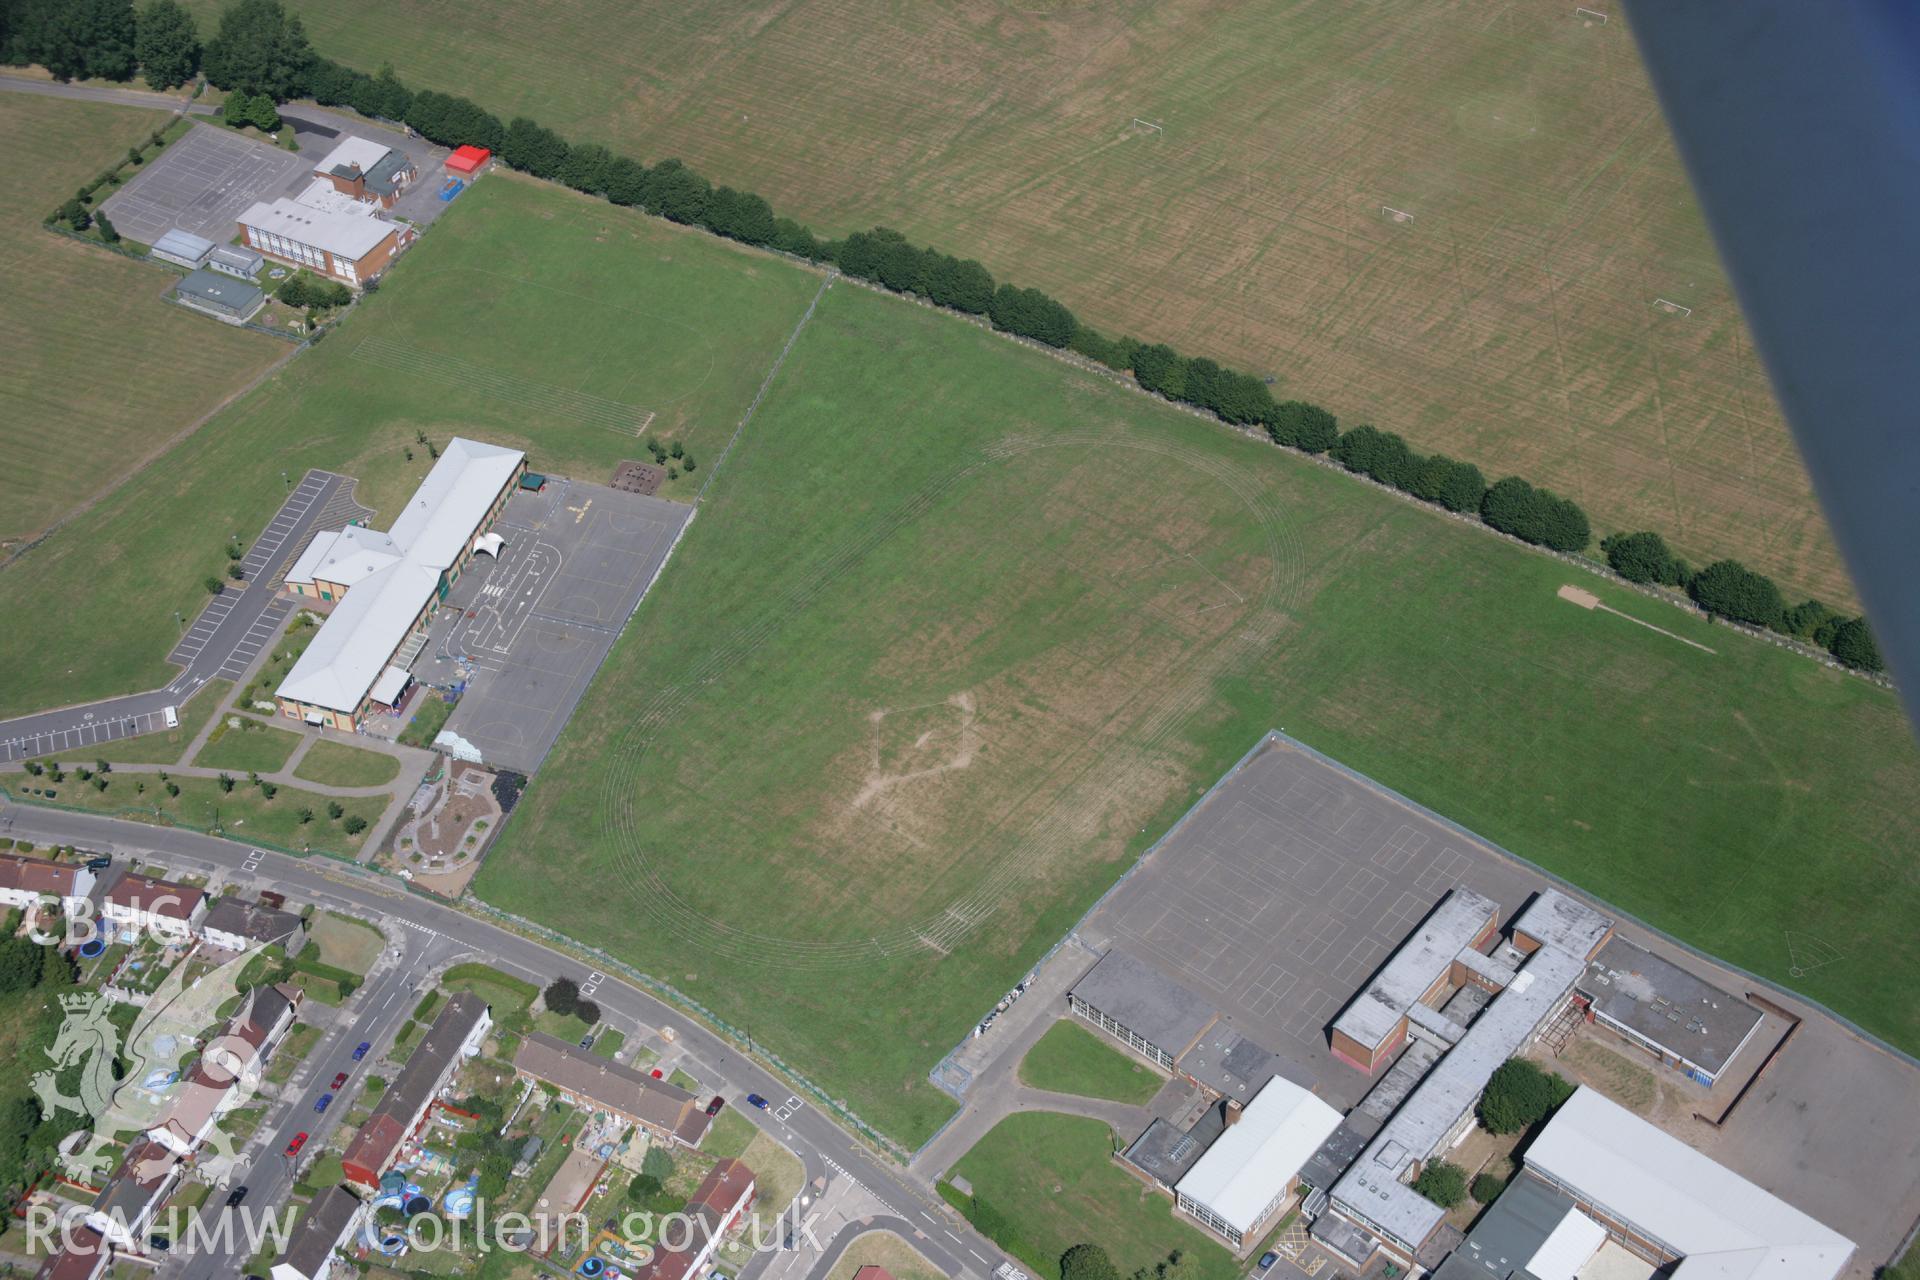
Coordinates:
column 826, row 1150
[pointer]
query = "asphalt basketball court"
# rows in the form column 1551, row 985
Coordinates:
column 530, row 629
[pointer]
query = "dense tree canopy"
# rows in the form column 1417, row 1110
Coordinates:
column 1729, row 589
column 260, row 48
column 1519, row 1095
column 1642, row 557
column 167, row 43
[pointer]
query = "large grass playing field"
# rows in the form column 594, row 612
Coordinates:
column 523, row 317
column 98, row 373
column 1511, row 321
column 960, row 630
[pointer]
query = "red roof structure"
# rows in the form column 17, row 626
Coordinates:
column 469, row 160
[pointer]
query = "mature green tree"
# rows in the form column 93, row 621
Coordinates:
column 677, row 193
column 1161, row 369
column 1300, row 425
column 1854, row 645
column 657, row 1163
column 73, row 38
column 167, row 43
column 588, row 1012
column 107, row 231
column 795, row 238
column 1442, row 1182
column 1519, row 1095
column 626, row 181
column 585, row 168
column 1241, row 398
column 75, row 215
column 1457, row 486
column 1087, row 1262
column 263, row 115
column 237, row 110
column 1203, row 384
column 1487, row 1187
column 748, row 218
column 961, row 283
column 901, row 267
column 562, row 996
column 1535, row 515
column 1729, row 589
column 261, row 48
column 1382, row 455
column 1641, row 557
column 1031, row 314
column 383, row 95
column 532, row 148
column 21, row 964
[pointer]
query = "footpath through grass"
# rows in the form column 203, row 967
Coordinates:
column 1044, row 1182
column 244, row 813
column 583, row 318
column 1071, row 1059
column 960, row 631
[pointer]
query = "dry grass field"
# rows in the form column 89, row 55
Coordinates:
column 1511, row 321
column 98, row 372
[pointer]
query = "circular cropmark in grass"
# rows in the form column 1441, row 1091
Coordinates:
column 1225, row 627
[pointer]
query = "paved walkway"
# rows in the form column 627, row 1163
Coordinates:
column 176, row 102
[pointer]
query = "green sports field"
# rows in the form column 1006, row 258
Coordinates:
column 99, row 372
column 551, row 324
column 960, row 630
column 1510, row 319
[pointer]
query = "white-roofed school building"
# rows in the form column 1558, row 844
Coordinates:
column 349, row 244
column 1673, row 1206
column 1251, row 1172
column 386, row 586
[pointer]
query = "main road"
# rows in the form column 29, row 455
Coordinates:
column 826, row 1150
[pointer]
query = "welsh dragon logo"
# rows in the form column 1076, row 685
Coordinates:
column 167, row 1090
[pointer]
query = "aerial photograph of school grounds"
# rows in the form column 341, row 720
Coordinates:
column 970, row 640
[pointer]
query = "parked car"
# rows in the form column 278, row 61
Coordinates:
column 326, row 1100
column 299, row 1141
column 99, row 864
column 235, row 1196
column 658, row 1074
column 713, row 1108
column 755, row 1100
column 586, row 1042
column 339, row 1080
column 361, row 1052
column 1268, row 1258
column 159, row 1244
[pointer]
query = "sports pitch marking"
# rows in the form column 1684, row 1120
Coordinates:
column 1588, row 600
column 595, row 411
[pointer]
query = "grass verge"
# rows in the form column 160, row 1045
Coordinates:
column 1071, row 1059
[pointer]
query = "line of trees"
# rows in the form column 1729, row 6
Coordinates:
column 260, row 49
column 1729, row 589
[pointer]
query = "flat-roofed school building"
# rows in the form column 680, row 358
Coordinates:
column 1439, row 957
column 386, row 587
column 220, row 296
column 350, row 246
column 1252, row 1170
column 1681, row 1021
